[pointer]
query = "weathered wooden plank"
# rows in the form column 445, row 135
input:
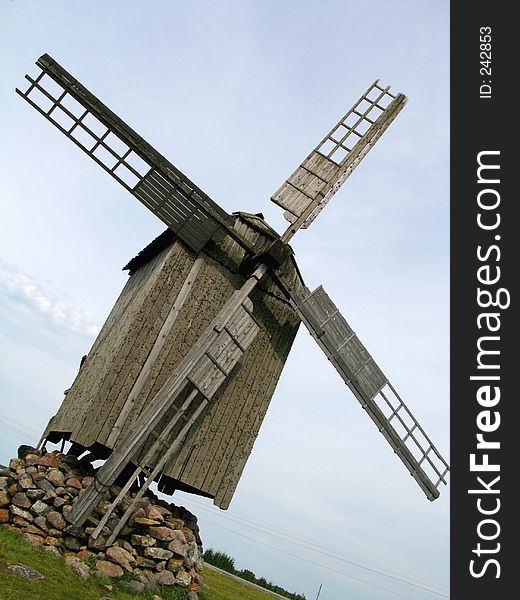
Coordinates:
column 205, row 432
column 214, row 434
column 321, row 166
column 226, row 438
column 222, row 355
column 61, row 421
column 208, row 300
column 146, row 329
column 117, row 352
column 83, row 394
column 307, row 183
column 153, row 356
column 228, row 483
column 141, row 344
column 209, row 292
column 237, row 407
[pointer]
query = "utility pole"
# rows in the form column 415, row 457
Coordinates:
column 319, row 591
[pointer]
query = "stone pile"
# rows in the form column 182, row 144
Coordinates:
column 159, row 545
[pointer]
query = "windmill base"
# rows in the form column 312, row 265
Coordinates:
column 160, row 544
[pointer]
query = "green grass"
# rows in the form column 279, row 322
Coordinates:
column 225, row 588
column 61, row 583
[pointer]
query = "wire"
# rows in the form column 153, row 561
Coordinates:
column 9, row 423
column 315, row 563
column 19, row 428
column 400, row 577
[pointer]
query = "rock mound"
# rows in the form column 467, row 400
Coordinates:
column 159, row 545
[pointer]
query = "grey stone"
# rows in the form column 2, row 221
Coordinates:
column 162, row 533
column 76, row 531
column 5, row 482
column 35, row 494
column 44, row 484
column 164, row 578
column 39, row 508
column 16, row 463
column 56, row 477
column 25, row 571
column 31, row 459
column 99, row 542
column 142, row 540
column 78, row 566
column 160, row 566
column 25, row 481
column 50, row 495
column 121, row 557
column 42, row 523
column 34, row 540
column 183, row 578
column 53, row 541
column 52, row 550
column 136, row 587
column 24, row 450
column 56, row 520
column 21, row 500
column 56, row 532
column 174, row 565
column 177, row 548
column 72, row 543
column 58, row 502
column 109, row 569
column 150, row 584
column 19, row 512
column 158, row 553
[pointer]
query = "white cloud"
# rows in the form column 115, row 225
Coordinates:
column 41, row 301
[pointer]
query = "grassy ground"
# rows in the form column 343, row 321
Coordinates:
column 61, row 583
column 225, row 588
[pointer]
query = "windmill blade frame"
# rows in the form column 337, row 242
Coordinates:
column 126, row 156
column 371, row 387
column 311, row 186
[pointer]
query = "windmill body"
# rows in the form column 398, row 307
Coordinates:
column 177, row 383
column 171, row 296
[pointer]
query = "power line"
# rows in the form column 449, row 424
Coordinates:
column 315, row 563
column 9, row 423
column 401, row 578
column 20, row 428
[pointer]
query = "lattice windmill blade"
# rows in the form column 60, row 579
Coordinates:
column 120, row 151
column 371, row 387
column 327, row 167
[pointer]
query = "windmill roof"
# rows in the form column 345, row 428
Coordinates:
column 152, row 249
column 257, row 221
column 167, row 237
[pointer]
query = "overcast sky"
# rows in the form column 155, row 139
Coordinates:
column 236, row 93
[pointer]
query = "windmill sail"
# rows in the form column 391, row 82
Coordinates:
column 371, row 387
column 327, row 167
column 120, row 151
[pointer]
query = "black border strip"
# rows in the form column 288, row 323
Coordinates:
column 482, row 124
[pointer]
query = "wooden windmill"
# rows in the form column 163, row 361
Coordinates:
column 178, row 381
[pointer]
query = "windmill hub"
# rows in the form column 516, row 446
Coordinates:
column 276, row 255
